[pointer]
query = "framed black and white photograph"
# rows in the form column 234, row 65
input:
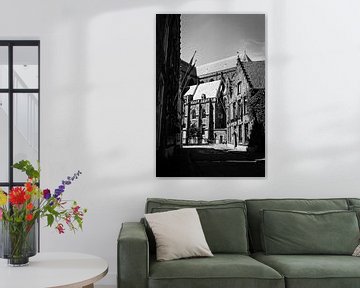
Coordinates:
column 210, row 95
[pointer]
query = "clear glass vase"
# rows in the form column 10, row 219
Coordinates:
column 18, row 242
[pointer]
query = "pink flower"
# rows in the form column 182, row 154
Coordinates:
column 68, row 219
column 76, row 210
column 1, row 212
column 60, row 228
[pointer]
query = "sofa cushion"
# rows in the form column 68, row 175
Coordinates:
column 353, row 201
column 223, row 221
column 178, row 234
column 356, row 209
column 222, row 270
column 297, row 232
column 313, row 271
column 254, row 217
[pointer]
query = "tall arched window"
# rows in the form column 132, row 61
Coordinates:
column 227, row 109
column 239, row 88
column 193, row 114
column 203, row 113
column 246, row 110
column 241, row 109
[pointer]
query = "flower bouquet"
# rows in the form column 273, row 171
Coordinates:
column 21, row 208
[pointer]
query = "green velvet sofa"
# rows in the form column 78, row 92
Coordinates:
column 234, row 230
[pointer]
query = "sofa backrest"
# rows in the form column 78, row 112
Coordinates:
column 353, row 202
column 256, row 205
column 223, row 221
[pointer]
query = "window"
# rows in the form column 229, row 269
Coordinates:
column 246, row 132
column 19, row 108
column 226, row 109
column 203, row 113
column 240, row 134
column 245, row 106
column 234, row 110
column 241, row 109
column 239, row 88
column 193, row 114
column 223, row 88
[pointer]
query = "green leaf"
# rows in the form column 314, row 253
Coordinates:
column 79, row 221
column 21, row 165
column 50, row 219
column 28, row 168
column 53, row 211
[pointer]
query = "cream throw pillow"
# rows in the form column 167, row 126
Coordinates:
column 178, row 234
column 357, row 251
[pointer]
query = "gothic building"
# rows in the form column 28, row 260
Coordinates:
column 245, row 93
column 204, row 114
column 226, row 103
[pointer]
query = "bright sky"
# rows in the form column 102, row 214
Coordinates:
column 219, row 36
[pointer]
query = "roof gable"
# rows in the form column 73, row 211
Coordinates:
column 255, row 71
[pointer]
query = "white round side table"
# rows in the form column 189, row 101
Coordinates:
column 50, row 270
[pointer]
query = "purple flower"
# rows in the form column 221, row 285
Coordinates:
column 68, row 181
column 46, row 194
column 58, row 192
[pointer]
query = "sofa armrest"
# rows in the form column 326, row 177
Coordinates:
column 133, row 256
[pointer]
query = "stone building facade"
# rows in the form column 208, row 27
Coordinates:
column 224, row 113
column 204, row 119
column 248, row 82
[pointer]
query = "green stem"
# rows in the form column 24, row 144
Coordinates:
column 18, row 238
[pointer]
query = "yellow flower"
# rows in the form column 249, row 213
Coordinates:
column 3, row 198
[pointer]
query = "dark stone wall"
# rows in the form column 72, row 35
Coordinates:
column 168, row 102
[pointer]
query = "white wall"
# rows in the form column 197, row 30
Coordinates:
column 98, row 105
